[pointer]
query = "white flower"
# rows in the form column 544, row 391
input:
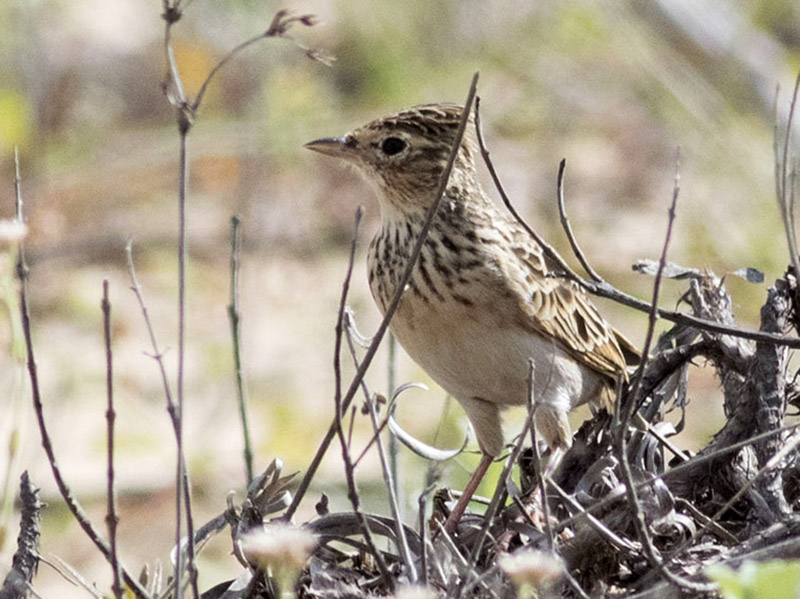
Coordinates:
column 278, row 546
column 535, row 568
column 414, row 592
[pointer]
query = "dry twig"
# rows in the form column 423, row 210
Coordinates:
column 633, row 400
column 349, row 470
column 111, row 516
column 603, row 289
column 235, row 319
column 72, row 503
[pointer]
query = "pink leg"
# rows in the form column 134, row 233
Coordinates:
column 469, row 491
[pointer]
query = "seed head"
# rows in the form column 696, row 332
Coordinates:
column 278, row 546
column 534, row 568
column 415, row 592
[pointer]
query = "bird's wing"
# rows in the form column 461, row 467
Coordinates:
column 558, row 308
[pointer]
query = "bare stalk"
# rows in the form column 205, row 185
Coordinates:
column 157, row 354
column 630, row 407
column 111, row 517
column 172, row 410
column 183, row 492
column 184, row 115
column 281, row 23
column 393, row 446
column 562, row 212
column 540, row 478
column 235, row 318
column 548, row 249
column 633, row 395
column 402, row 540
column 786, row 179
column 349, row 470
column 604, row 289
column 186, row 111
column 72, row 503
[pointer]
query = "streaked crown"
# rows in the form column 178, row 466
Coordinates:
column 403, row 155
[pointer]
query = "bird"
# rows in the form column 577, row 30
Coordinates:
column 484, row 298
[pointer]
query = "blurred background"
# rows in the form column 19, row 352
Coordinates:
column 614, row 87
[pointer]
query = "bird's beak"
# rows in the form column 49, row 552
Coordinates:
column 340, row 147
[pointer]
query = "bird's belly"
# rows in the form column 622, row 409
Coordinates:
column 474, row 356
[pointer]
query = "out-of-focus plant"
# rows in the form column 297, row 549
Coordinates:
column 777, row 579
column 12, row 232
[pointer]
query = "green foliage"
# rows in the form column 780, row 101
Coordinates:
column 583, row 30
column 767, row 580
column 15, row 120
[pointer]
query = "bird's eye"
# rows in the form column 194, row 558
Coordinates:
column 392, row 146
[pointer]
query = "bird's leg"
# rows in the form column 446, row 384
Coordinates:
column 553, row 425
column 466, row 495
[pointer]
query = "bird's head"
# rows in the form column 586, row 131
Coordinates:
column 403, row 155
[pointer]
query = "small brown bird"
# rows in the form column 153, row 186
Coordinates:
column 482, row 299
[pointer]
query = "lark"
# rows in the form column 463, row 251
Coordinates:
column 483, row 299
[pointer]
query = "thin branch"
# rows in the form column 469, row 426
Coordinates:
column 157, row 354
column 350, row 427
column 604, row 289
column 775, row 150
column 185, row 114
column 712, row 526
column 17, row 185
column 235, row 320
column 575, row 585
column 176, row 95
column 72, row 503
column 174, row 84
column 229, row 56
column 394, row 446
column 180, row 466
column 607, row 291
column 548, row 249
column 540, row 478
column 785, row 200
column 455, row 555
column 791, row 204
column 349, row 471
column 402, row 540
column 562, row 212
column 694, row 462
column 69, row 573
column 610, row 536
column 409, row 267
column 373, row 439
column 633, row 394
column 775, row 461
column 111, row 517
column 423, row 525
column 353, row 337
column 628, row 410
column 282, row 21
